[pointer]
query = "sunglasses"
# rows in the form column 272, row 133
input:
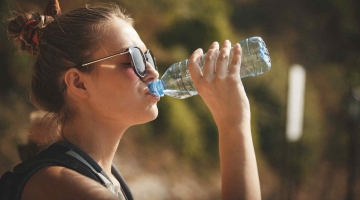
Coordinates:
column 138, row 60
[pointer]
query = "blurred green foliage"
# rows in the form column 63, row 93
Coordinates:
column 321, row 35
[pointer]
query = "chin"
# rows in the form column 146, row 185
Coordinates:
column 150, row 115
column 155, row 112
column 147, row 120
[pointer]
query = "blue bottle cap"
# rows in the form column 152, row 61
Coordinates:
column 157, row 88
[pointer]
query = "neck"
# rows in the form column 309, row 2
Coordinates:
column 99, row 138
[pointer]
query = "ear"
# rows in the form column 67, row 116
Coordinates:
column 74, row 81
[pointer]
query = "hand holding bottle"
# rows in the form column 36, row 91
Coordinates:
column 221, row 88
column 220, row 84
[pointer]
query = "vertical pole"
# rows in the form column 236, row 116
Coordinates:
column 295, row 106
column 294, row 129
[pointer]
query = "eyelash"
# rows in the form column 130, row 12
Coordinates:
column 126, row 64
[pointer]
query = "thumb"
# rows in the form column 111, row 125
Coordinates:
column 193, row 65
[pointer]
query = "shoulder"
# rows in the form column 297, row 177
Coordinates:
column 56, row 182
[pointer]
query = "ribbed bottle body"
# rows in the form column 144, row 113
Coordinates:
column 176, row 81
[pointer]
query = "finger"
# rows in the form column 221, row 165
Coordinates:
column 210, row 60
column 223, row 59
column 235, row 64
column 193, row 65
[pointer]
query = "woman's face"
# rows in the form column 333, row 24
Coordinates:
column 116, row 92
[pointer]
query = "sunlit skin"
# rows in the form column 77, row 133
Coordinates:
column 112, row 98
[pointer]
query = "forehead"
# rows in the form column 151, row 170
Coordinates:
column 124, row 35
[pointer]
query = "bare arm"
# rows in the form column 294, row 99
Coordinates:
column 62, row 183
column 222, row 91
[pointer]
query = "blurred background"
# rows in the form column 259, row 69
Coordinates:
column 176, row 156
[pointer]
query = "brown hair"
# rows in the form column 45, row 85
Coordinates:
column 60, row 43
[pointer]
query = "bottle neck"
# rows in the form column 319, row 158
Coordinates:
column 157, row 88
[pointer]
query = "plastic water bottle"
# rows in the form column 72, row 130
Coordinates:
column 176, row 81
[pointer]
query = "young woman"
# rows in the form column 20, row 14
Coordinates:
column 91, row 74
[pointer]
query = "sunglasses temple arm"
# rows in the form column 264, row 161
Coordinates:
column 101, row 59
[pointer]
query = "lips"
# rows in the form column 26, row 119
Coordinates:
column 147, row 92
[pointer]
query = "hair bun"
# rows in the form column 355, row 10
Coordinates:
column 24, row 29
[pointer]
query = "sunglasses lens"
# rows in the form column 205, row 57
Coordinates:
column 151, row 59
column 138, row 62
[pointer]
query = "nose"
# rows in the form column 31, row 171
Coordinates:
column 152, row 73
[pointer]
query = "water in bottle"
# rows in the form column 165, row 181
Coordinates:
column 176, row 81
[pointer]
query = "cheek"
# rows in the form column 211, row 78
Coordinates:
column 129, row 72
